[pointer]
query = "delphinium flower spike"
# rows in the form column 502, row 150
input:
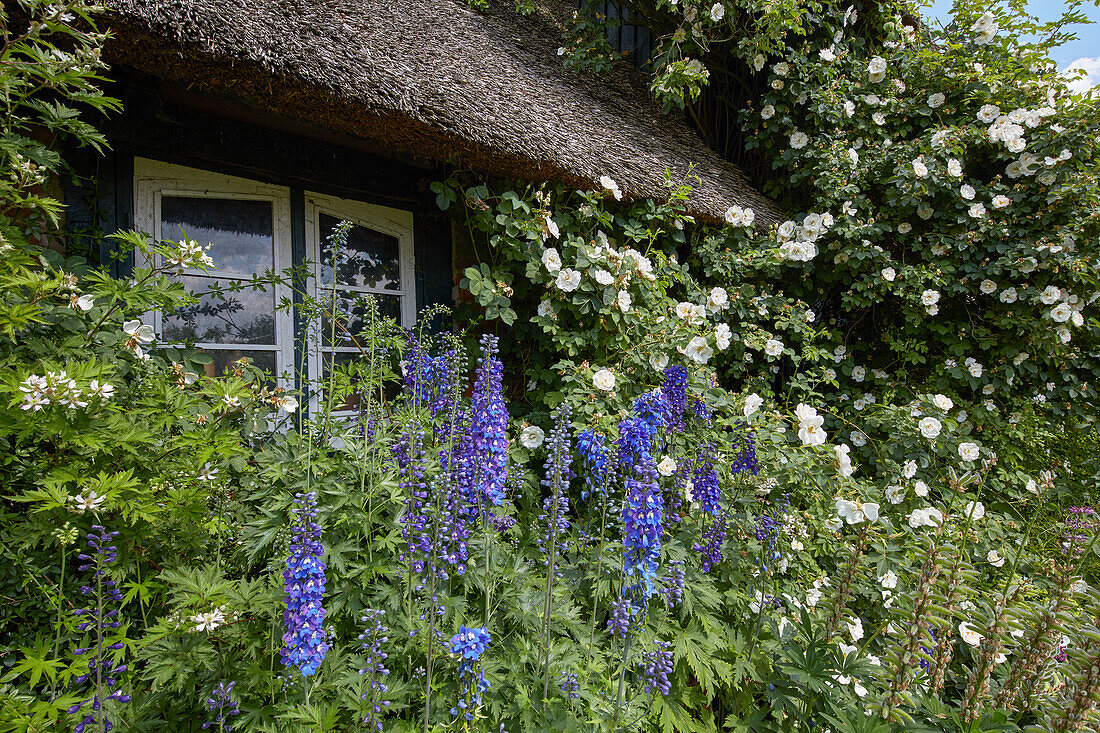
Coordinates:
column 102, row 674
column 657, row 664
column 373, row 637
column 674, row 391
column 415, row 522
column 469, row 644
column 489, row 438
column 303, row 619
column 555, row 515
column 222, row 704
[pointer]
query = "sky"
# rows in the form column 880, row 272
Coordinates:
column 1084, row 53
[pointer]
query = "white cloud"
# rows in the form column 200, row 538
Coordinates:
column 1091, row 66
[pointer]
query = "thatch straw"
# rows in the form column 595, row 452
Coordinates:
column 435, row 79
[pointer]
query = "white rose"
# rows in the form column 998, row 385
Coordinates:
column 752, row 404
column 969, row 634
column 623, row 300
column 722, row 336
column 799, row 140
column 930, row 427
column 773, row 347
column 994, row 558
column 603, row 277
column 888, row 580
column 531, row 437
column 943, row 402
column 974, row 510
column 666, row 467
column 568, row 280
column 888, row 274
column 604, row 379
column 920, row 489
column 969, row 451
column 698, row 350
column 551, row 259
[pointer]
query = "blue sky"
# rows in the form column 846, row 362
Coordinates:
column 1085, row 51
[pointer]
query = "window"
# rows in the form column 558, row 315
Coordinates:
column 376, row 260
column 248, row 227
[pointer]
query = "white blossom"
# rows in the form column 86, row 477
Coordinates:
column 604, row 380
column 698, row 350
column 532, row 437
column 809, row 425
column 930, row 427
column 969, row 451
column 568, row 280
column 666, row 467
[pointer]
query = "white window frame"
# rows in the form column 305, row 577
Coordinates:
column 397, row 223
column 155, row 179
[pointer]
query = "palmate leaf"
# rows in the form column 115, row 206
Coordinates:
column 697, row 650
column 35, row 664
column 674, row 717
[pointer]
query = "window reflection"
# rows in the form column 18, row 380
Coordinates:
column 240, row 232
column 371, row 259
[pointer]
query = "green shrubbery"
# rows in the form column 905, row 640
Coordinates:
column 712, row 498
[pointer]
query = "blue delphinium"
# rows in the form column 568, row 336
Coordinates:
column 452, row 531
column 223, row 705
column 304, row 577
column 674, row 583
column 704, row 479
column 657, row 665
column 618, row 623
column 488, row 444
column 556, row 478
column 102, row 672
column 592, row 450
column 714, row 537
column 745, row 454
column 643, row 511
column 767, row 533
column 415, row 522
column 373, row 637
column 674, row 391
column 469, row 644
column 569, row 684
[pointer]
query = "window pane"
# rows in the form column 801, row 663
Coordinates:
column 245, row 317
column 224, row 358
column 371, row 259
column 239, row 231
column 353, row 400
column 355, row 317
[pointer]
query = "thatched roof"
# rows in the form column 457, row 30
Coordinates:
column 435, row 79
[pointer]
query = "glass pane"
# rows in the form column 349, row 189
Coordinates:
column 353, row 400
column 355, row 317
column 240, row 232
column 370, row 259
column 245, row 317
column 224, row 360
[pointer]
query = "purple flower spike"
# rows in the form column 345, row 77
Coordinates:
column 223, row 705
column 102, row 672
column 304, row 640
